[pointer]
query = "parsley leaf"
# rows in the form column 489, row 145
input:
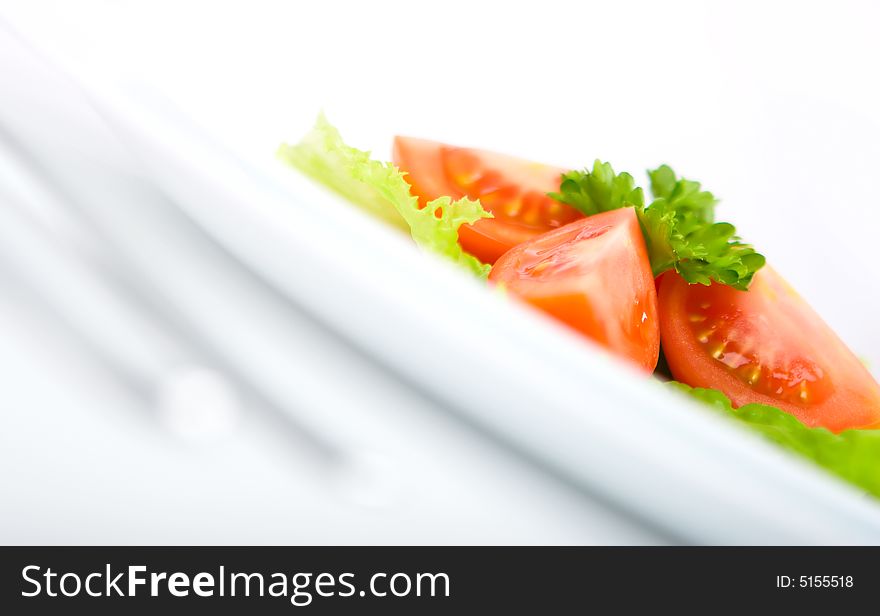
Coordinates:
column 684, row 195
column 599, row 190
column 679, row 224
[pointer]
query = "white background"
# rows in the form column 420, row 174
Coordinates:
column 774, row 106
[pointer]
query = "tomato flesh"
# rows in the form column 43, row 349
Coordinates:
column 765, row 345
column 594, row 276
column 512, row 189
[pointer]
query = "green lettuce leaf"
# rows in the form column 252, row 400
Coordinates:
column 853, row 455
column 380, row 189
column 678, row 225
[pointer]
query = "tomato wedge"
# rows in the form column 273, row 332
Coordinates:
column 514, row 190
column 594, row 276
column 765, row 345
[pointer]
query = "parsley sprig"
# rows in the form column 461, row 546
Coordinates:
column 679, row 224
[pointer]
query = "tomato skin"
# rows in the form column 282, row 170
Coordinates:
column 765, row 345
column 512, row 189
column 594, row 276
column 487, row 239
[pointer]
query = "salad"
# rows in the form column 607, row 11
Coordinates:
column 656, row 281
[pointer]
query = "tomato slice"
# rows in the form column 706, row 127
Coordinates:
column 594, row 276
column 765, row 345
column 514, row 190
